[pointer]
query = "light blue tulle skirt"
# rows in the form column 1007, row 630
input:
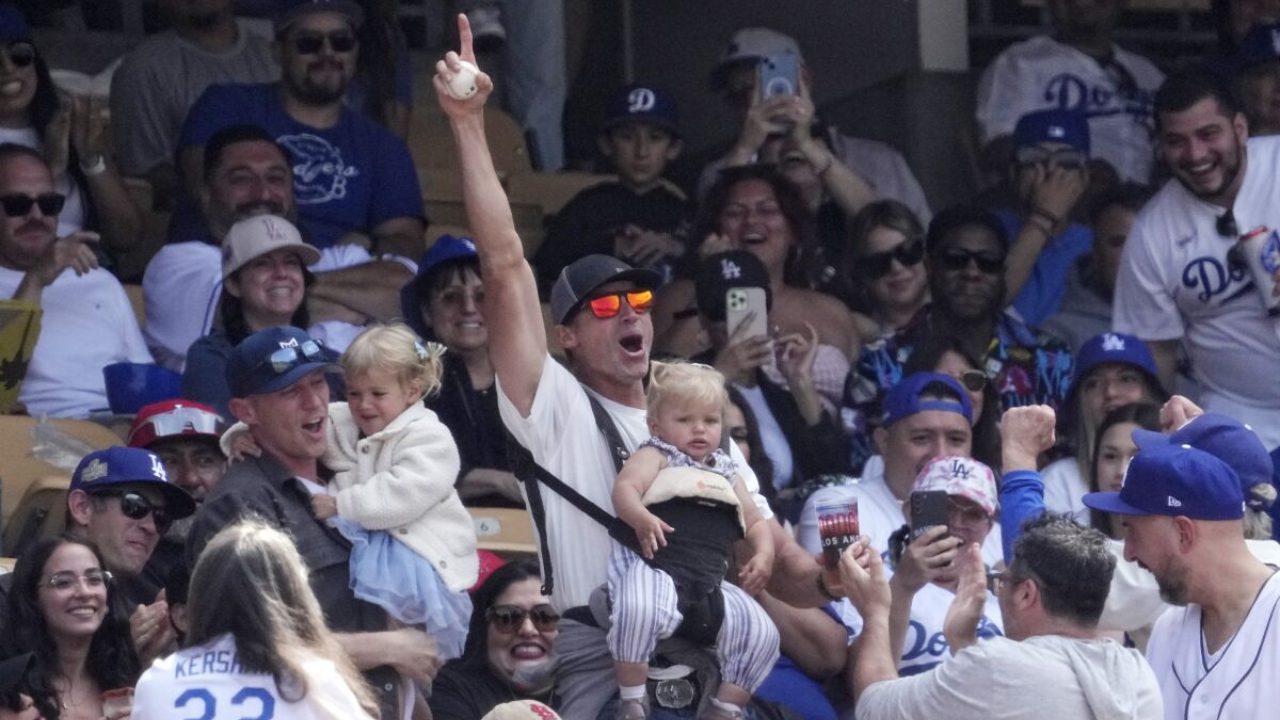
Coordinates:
column 384, row 571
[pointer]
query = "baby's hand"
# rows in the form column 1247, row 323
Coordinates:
column 754, row 575
column 651, row 532
column 243, row 445
column 324, row 506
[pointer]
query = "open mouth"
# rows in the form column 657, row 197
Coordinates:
column 754, row 238
column 632, row 343
column 11, row 88
column 314, row 427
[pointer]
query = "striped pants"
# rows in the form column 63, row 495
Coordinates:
column 645, row 611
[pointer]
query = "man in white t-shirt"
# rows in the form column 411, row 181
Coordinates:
column 248, row 173
column 87, row 321
column 600, row 306
column 1181, row 281
column 1218, row 655
column 1078, row 69
column 1053, row 663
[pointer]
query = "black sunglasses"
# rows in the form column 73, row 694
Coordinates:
column 508, row 619
column 341, row 41
column 877, row 265
column 18, row 205
column 136, row 506
column 21, row 54
column 973, row 380
column 954, row 258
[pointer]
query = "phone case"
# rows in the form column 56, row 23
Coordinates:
column 928, row 509
column 779, row 75
column 740, row 302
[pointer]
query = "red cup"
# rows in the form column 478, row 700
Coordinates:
column 838, row 528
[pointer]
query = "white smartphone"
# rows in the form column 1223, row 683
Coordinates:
column 747, row 305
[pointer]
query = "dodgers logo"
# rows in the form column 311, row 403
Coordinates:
column 1068, row 92
column 1209, row 276
column 1112, row 343
column 319, row 173
column 640, row 100
column 1271, row 252
column 157, row 469
column 729, row 269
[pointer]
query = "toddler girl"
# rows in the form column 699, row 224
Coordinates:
column 392, row 493
column 688, row 505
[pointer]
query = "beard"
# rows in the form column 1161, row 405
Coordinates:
column 1230, row 167
column 308, row 92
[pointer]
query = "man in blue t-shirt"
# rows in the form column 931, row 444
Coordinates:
column 354, row 182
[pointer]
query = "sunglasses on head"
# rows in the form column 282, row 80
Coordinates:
column 340, row 41
column 954, row 258
column 877, row 265
column 180, row 421
column 508, row 619
column 1065, row 158
column 607, row 306
column 18, row 205
column 21, row 54
column 136, row 506
column 286, row 359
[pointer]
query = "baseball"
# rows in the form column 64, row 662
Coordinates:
column 463, row 83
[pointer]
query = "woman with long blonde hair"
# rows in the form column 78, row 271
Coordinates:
column 258, row 642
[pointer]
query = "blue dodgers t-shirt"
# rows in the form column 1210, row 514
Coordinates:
column 351, row 177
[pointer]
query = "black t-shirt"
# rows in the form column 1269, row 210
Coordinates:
column 463, row 692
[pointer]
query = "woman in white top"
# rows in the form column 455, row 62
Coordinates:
column 70, row 133
column 258, row 643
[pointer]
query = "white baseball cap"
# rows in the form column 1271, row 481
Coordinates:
column 258, row 235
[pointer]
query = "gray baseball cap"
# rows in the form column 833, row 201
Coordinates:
column 581, row 277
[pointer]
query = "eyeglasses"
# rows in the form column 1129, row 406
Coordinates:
column 970, row 514
column 178, row 421
column 21, row 54
column 60, row 582
column 136, row 506
column 877, row 265
column 972, row 380
column 286, row 359
column 607, row 306
column 18, row 205
column 954, row 258
column 508, row 619
column 340, row 41
column 1065, row 158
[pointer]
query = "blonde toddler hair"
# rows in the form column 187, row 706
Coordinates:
column 687, row 382
column 394, row 347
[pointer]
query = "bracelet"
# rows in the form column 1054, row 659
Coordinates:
column 1054, row 220
column 96, row 169
column 822, row 589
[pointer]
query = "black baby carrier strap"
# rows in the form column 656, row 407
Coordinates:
column 700, row 598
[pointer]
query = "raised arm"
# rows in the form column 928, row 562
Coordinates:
column 517, row 339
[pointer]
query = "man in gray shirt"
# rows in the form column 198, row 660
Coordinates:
column 1053, row 664
column 159, row 81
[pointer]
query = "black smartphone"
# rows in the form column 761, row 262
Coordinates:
column 928, row 509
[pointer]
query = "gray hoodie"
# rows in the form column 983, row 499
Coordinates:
column 1047, row 676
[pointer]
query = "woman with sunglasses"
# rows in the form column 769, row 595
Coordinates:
column 1111, row 370
column 755, row 208
column 64, row 608
column 71, row 134
column 258, row 645
column 509, row 652
column 265, row 283
column 883, row 264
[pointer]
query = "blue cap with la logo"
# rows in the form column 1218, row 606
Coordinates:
column 117, row 466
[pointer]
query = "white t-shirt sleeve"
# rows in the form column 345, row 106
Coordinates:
column 542, row 430
column 328, row 695
column 1144, row 304
column 999, row 98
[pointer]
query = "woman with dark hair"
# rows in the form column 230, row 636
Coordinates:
column 1113, row 448
column 882, row 267
column 265, row 281
column 741, row 427
column 71, row 133
column 64, row 608
column 754, row 208
column 946, row 354
column 443, row 304
column 508, row 655
column 252, row 609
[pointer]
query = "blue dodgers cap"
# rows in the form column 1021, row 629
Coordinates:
column 716, row 274
column 903, row 400
column 1113, row 347
column 1260, row 45
column 1227, row 439
column 1056, row 126
column 273, row 359
column 642, row 103
column 1174, row 480
column 581, row 277
column 13, row 24
column 119, row 465
column 447, row 249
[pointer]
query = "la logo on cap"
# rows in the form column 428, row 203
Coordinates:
column 157, row 469
column 959, row 470
column 1112, row 343
column 730, row 270
column 95, row 470
column 274, row 231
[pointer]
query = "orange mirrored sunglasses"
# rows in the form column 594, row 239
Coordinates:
column 607, row 306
